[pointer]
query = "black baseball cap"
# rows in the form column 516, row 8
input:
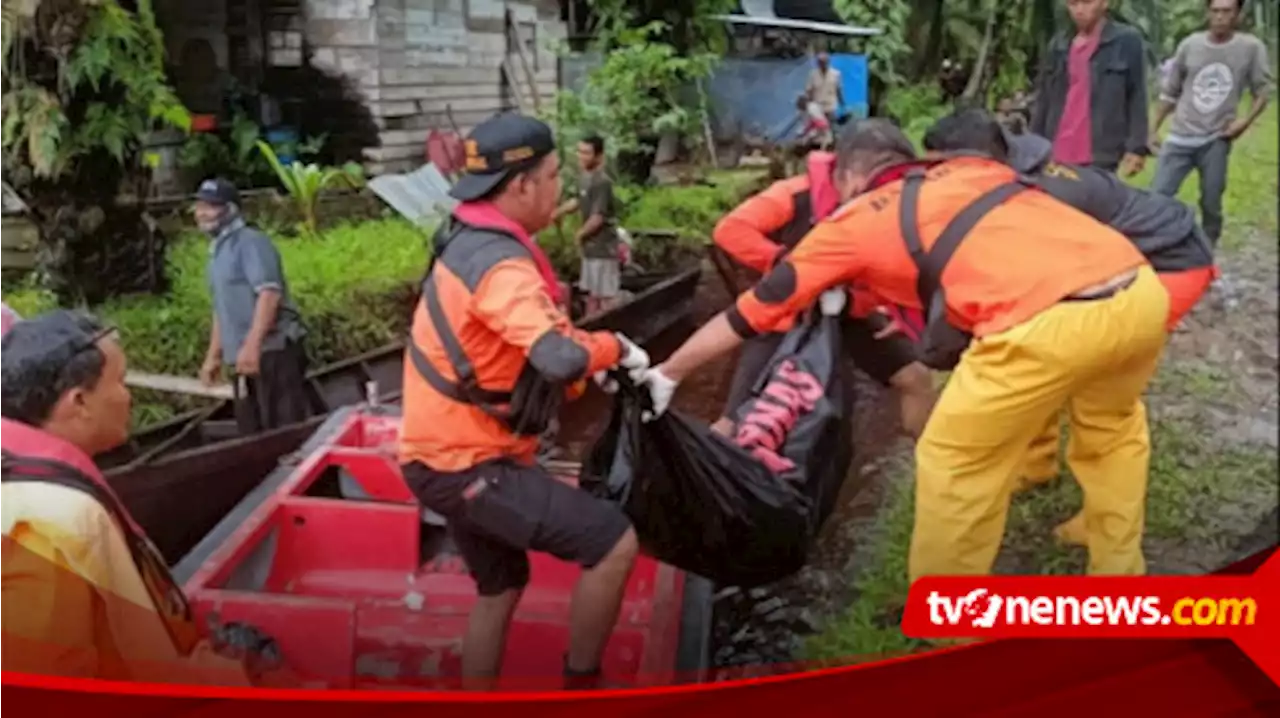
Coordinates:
column 499, row 147
column 51, row 339
column 216, row 190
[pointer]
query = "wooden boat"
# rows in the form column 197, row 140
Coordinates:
column 333, row 558
column 180, row 477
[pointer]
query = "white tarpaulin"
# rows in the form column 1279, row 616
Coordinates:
column 421, row 196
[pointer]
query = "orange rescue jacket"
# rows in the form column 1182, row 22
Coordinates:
column 486, row 291
column 1022, row 257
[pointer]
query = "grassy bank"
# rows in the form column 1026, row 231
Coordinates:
column 1214, row 468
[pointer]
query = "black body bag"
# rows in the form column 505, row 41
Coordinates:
column 941, row 342
column 741, row 511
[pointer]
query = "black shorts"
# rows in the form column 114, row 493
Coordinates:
column 879, row 358
column 497, row 511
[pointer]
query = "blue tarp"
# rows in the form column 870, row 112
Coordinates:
column 758, row 96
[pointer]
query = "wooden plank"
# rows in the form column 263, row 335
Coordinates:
column 514, row 27
column 177, row 385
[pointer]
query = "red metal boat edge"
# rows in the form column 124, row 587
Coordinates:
column 334, row 558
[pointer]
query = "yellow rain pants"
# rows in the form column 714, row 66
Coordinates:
column 1094, row 357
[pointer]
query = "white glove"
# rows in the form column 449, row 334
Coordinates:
column 661, row 389
column 832, row 302
column 634, row 359
column 607, row 384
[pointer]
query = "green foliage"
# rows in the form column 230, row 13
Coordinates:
column 351, row 287
column 305, row 181
column 235, row 156
column 636, row 94
column 691, row 211
column 888, row 52
column 106, row 92
column 916, row 108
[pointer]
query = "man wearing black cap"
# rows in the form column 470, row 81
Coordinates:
column 491, row 357
column 256, row 327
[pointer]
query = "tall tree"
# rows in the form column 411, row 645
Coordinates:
column 84, row 86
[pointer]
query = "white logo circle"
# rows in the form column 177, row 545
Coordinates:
column 1211, row 87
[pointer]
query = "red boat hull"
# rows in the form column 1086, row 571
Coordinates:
column 332, row 558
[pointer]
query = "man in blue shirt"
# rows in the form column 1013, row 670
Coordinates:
column 256, row 327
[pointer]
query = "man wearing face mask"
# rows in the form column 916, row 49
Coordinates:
column 256, row 327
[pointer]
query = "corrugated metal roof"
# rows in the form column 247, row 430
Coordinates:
column 815, row 10
column 808, row 25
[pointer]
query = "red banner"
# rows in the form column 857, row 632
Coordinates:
column 1023, row 676
column 1245, row 609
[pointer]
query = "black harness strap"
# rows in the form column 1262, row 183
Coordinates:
column 527, row 410
column 930, row 264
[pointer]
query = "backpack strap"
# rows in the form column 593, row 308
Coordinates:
column 170, row 601
column 930, row 264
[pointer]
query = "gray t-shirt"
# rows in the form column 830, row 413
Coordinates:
column 595, row 195
column 1207, row 80
column 242, row 263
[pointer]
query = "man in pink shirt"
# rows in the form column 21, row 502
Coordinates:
column 1092, row 98
column 8, row 318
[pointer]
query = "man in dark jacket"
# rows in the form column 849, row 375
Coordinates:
column 1162, row 228
column 1092, row 93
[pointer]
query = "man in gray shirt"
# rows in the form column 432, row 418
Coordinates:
column 256, row 327
column 1205, row 81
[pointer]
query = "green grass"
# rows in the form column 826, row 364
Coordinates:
column 1198, row 483
column 351, row 285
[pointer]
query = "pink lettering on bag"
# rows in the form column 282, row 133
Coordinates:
column 763, row 430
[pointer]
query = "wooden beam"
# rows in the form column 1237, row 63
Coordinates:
column 524, row 60
column 178, row 385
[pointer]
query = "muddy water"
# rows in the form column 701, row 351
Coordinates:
column 767, row 624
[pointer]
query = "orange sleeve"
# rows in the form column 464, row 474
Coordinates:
column 512, row 301
column 743, row 233
column 826, row 257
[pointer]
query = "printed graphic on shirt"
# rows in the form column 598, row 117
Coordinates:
column 1211, row 87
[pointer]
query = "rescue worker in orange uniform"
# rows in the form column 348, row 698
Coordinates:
column 1058, row 308
column 492, row 355
column 760, row 231
column 1162, row 228
column 85, row 593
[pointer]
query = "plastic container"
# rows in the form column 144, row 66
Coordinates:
column 284, row 140
column 204, row 123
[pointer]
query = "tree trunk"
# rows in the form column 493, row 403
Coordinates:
column 984, row 55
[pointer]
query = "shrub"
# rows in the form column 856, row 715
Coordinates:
column 690, row 210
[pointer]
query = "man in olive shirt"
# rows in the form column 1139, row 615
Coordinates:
column 601, row 268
